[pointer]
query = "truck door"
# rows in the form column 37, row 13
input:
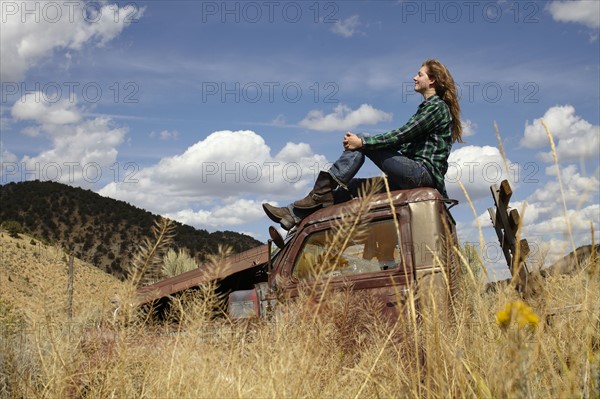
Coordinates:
column 372, row 259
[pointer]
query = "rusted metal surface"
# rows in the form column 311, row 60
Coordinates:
column 233, row 264
column 399, row 198
column 420, row 248
column 426, row 235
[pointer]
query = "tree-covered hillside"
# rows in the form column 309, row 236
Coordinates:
column 100, row 230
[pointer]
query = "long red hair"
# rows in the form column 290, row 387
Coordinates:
column 446, row 88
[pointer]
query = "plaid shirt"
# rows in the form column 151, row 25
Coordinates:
column 425, row 138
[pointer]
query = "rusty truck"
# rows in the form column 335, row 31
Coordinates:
column 401, row 239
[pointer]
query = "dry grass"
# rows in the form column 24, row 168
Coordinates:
column 34, row 277
column 347, row 351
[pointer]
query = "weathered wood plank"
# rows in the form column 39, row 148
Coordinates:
column 507, row 225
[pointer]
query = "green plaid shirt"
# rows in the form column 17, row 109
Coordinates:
column 425, row 138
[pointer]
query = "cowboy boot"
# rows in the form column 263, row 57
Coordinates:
column 320, row 195
column 280, row 215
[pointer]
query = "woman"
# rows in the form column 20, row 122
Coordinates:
column 414, row 155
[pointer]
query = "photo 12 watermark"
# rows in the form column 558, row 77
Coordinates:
column 68, row 11
column 72, row 92
column 252, row 12
column 70, row 172
column 269, row 92
column 491, row 252
column 491, row 172
column 255, row 172
column 488, row 92
column 235, row 172
column 452, row 12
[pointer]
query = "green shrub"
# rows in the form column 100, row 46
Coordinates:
column 175, row 263
column 13, row 227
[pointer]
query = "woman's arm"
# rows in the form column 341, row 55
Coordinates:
column 423, row 122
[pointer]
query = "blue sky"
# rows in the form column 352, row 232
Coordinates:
column 202, row 110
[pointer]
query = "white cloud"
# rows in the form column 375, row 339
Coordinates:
column 4, row 120
column 549, row 251
column 586, row 12
column 468, row 127
column 35, row 106
column 7, row 160
column 477, row 168
column 344, row 118
column 80, row 149
column 80, row 153
column 549, row 232
column 236, row 165
column 529, row 213
column 346, row 27
column 558, row 234
column 55, row 25
column 577, row 189
column 544, row 249
column 165, row 135
column 574, row 137
column 234, row 213
column 544, row 219
column 578, row 221
column 279, row 120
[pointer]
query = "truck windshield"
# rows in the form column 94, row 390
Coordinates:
column 374, row 248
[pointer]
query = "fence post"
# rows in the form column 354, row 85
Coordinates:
column 507, row 225
column 70, row 289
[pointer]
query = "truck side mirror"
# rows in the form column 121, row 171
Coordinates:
column 276, row 237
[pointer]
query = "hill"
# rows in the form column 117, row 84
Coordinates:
column 100, row 230
column 572, row 262
column 34, row 278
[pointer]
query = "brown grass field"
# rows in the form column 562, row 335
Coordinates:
column 347, row 351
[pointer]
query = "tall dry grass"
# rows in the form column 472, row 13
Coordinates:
column 346, row 349
column 494, row 346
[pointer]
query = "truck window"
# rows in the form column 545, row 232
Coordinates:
column 374, row 248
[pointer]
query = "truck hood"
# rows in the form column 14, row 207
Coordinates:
column 236, row 263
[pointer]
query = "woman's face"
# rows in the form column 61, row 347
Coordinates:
column 422, row 80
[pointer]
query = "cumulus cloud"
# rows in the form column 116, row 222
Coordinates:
column 584, row 12
column 7, row 160
column 546, row 200
column 346, row 27
column 557, row 234
column 545, row 220
column 550, row 230
column 81, row 149
column 236, row 165
column 36, row 107
column 576, row 138
column 578, row 222
column 577, row 189
column 344, row 118
column 234, row 213
column 28, row 37
column 477, row 168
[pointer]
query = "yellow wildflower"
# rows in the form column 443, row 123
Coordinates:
column 520, row 313
column 503, row 317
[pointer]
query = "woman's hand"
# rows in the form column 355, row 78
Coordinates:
column 352, row 142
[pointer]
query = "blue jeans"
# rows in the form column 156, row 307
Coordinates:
column 402, row 173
